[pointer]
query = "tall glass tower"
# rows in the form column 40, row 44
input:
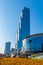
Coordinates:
column 7, row 48
column 24, row 26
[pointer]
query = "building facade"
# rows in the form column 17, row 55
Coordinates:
column 7, row 48
column 33, row 43
column 24, row 26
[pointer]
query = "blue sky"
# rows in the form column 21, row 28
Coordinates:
column 9, row 18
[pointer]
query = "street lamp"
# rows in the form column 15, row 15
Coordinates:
column 30, row 41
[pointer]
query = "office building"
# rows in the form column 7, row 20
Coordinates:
column 7, row 48
column 24, row 27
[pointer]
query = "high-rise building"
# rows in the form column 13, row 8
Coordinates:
column 24, row 26
column 7, row 48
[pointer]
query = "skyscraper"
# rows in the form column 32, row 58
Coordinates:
column 7, row 48
column 24, row 26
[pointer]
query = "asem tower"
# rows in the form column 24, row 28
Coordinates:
column 24, row 26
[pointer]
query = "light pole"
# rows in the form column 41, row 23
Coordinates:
column 30, row 41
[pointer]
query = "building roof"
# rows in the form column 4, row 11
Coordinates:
column 39, row 34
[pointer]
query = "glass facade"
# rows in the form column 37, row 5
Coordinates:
column 24, row 29
column 7, row 48
column 33, row 43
